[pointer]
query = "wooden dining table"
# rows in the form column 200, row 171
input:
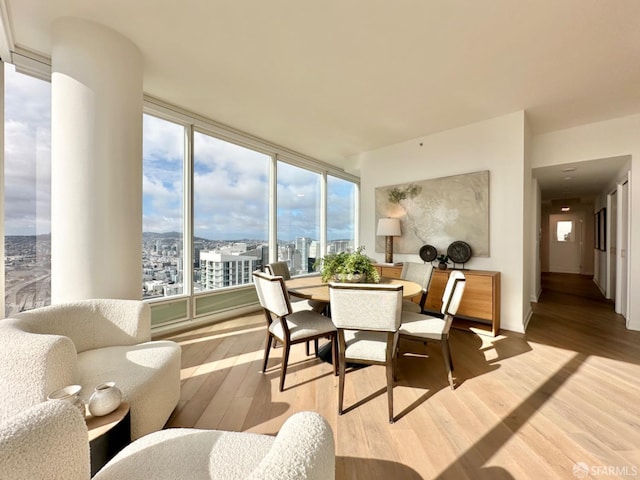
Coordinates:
column 312, row 287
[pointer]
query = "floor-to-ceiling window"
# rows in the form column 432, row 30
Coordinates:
column 299, row 204
column 219, row 204
column 27, row 191
column 230, row 212
column 342, row 196
column 163, row 208
column 206, row 189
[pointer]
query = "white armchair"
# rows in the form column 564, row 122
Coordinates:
column 49, row 442
column 87, row 343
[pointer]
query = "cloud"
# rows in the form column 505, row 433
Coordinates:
column 231, row 182
column 27, row 168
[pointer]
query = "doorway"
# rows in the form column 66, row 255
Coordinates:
column 565, row 243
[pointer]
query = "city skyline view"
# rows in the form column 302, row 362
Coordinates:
column 229, row 187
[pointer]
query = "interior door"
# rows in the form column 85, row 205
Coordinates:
column 565, row 243
column 622, row 298
column 612, row 202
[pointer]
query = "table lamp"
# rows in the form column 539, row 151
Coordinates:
column 389, row 228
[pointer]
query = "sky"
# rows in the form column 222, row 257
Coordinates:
column 231, row 183
column 27, row 164
column 231, row 190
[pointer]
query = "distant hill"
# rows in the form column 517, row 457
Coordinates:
column 178, row 236
column 151, row 235
column 43, row 236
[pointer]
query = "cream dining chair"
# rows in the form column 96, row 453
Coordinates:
column 286, row 325
column 367, row 317
column 281, row 269
column 425, row 328
column 421, row 274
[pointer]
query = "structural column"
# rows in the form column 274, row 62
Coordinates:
column 96, row 178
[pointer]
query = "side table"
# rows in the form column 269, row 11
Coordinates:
column 108, row 435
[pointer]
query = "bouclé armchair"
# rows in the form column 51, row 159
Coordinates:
column 49, row 442
column 87, row 343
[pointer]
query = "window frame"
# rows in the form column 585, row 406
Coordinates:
column 194, row 123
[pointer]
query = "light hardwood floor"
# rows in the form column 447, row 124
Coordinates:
column 564, row 395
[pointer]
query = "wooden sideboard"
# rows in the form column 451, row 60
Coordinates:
column 480, row 308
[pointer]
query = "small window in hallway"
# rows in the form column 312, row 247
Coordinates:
column 564, row 231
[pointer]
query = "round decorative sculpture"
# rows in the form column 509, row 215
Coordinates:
column 105, row 399
column 428, row 253
column 459, row 252
column 71, row 394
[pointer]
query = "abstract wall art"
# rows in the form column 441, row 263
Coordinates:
column 438, row 212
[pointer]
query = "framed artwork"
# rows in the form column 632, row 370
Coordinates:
column 596, row 230
column 438, row 212
column 602, row 229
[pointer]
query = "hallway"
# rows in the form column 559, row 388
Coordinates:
column 572, row 312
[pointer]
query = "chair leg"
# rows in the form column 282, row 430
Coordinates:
column 341, row 363
column 396, row 359
column 306, row 347
column 266, row 352
column 285, row 361
column 315, row 346
column 448, row 362
column 390, row 355
column 334, row 353
column 390, row 390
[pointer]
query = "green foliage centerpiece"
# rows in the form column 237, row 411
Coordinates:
column 348, row 267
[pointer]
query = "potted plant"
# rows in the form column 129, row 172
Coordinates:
column 443, row 261
column 347, row 267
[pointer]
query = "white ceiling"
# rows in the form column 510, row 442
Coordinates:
column 334, row 78
column 577, row 180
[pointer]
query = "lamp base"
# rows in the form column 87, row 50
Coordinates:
column 388, row 249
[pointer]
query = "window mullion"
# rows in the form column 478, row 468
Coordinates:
column 273, row 209
column 187, row 241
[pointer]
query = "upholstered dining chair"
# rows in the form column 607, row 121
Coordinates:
column 421, row 274
column 425, row 328
column 278, row 269
column 281, row 269
column 367, row 317
column 286, row 325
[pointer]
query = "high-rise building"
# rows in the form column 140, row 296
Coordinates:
column 301, row 260
column 219, row 270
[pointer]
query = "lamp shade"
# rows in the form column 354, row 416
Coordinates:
column 389, row 227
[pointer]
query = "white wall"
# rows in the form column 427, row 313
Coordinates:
column 620, row 136
column 528, row 226
column 536, row 237
column 496, row 145
column 586, row 209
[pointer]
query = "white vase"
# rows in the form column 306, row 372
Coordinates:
column 105, row 399
column 70, row 393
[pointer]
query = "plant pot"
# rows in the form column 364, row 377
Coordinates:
column 442, row 266
column 350, row 278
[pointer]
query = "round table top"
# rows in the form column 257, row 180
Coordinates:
column 313, row 288
column 98, row 426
